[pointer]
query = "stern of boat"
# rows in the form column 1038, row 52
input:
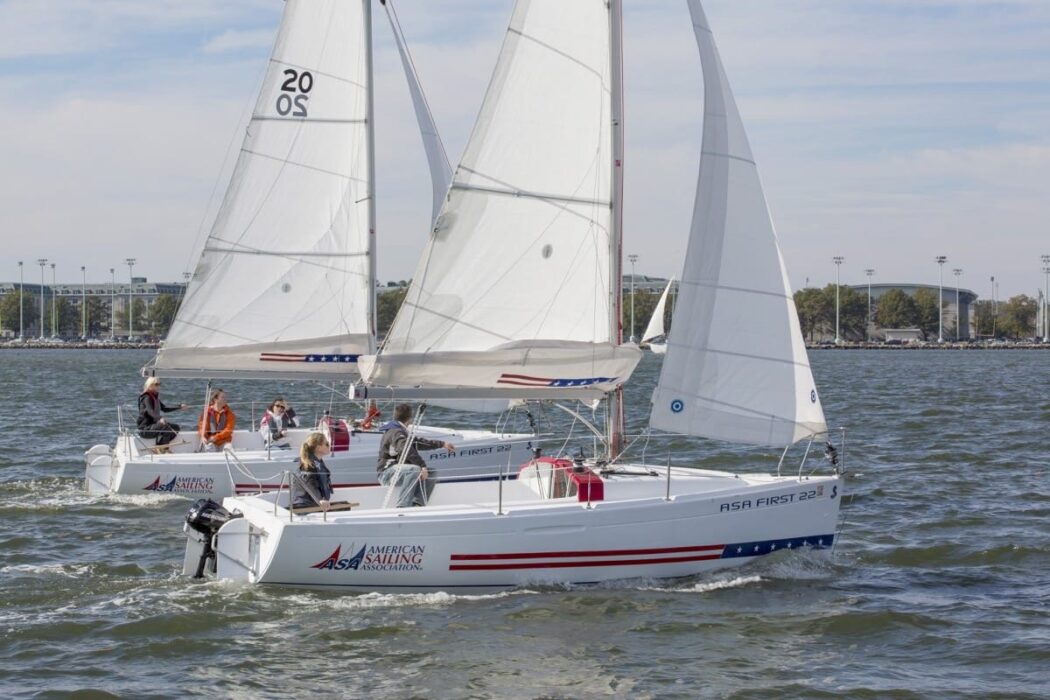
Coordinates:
column 101, row 469
column 220, row 543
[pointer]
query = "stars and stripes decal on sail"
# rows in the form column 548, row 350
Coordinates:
column 311, row 357
column 526, row 380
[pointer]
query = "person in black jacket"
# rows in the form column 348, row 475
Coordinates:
column 151, row 423
column 314, row 485
column 400, row 461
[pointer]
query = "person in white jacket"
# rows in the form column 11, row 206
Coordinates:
column 276, row 422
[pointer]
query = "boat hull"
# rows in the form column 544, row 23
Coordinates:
column 632, row 534
column 131, row 468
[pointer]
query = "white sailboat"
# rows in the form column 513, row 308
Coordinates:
column 535, row 206
column 654, row 332
column 285, row 285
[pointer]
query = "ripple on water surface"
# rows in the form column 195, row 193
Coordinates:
column 932, row 590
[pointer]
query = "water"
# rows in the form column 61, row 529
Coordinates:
column 939, row 586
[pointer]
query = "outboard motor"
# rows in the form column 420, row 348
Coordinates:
column 207, row 517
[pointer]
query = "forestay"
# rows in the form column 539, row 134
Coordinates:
column 736, row 367
column 514, row 287
column 284, row 283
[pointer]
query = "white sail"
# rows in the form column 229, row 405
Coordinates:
column 736, row 367
column 655, row 329
column 284, row 284
column 516, row 281
column 437, row 159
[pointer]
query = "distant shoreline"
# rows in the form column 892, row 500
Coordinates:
column 933, row 346
column 34, row 345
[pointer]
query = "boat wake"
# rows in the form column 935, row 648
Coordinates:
column 708, row 586
column 437, row 599
column 61, row 493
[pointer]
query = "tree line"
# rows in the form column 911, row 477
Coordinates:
column 1013, row 319
column 67, row 317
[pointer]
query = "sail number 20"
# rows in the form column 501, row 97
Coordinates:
column 298, row 84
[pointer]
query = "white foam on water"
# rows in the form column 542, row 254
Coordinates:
column 799, row 565
column 436, row 599
column 143, row 499
column 708, row 586
column 66, row 570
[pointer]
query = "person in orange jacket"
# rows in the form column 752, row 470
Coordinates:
column 217, row 424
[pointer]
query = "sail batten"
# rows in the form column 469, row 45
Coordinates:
column 736, row 367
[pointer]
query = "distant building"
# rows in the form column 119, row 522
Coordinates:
column 963, row 312
column 118, row 294
column 645, row 283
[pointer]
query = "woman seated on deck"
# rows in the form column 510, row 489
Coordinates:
column 217, row 423
column 313, row 487
column 276, row 422
column 151, row 423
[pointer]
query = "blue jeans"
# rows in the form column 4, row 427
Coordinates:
column 410, row 490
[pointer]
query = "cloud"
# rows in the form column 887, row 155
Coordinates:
column 232, row 40
column 888, row 131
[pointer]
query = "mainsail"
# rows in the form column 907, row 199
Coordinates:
column 736, row 367
column 515, row 287
column 284, row 284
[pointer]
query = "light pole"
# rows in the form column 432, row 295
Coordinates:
column 940, row 298
column 958, row 315
column 42, row 262
column 995, row 308
column 633, row 258
column 869, row 272
column 54, row 303
column 113, row 305
column 1046, row 298
column 21, row 299
column 83, row 301
column 838, row 267
column 131, row 305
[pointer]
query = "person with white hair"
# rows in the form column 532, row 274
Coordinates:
column 151, row 422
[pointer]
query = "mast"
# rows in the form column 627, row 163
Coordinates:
column 371, row 159
column 614, row 418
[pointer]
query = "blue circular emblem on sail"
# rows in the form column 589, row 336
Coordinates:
column 813, row 395
column 677, row 406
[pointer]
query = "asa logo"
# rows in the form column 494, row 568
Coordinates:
column 157, row 486
column 334, row 563
column 182, row 484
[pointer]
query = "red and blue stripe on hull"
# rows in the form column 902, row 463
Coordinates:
column 509, row 561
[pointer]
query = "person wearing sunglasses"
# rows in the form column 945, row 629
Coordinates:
column 276, row 422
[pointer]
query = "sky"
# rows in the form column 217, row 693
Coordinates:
column 887, row 132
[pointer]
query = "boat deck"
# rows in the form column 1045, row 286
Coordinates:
column 630, row 484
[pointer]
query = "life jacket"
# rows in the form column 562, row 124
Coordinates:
column 149, row 411
column 215, row 421
column 269, row 422
column 373, row 413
